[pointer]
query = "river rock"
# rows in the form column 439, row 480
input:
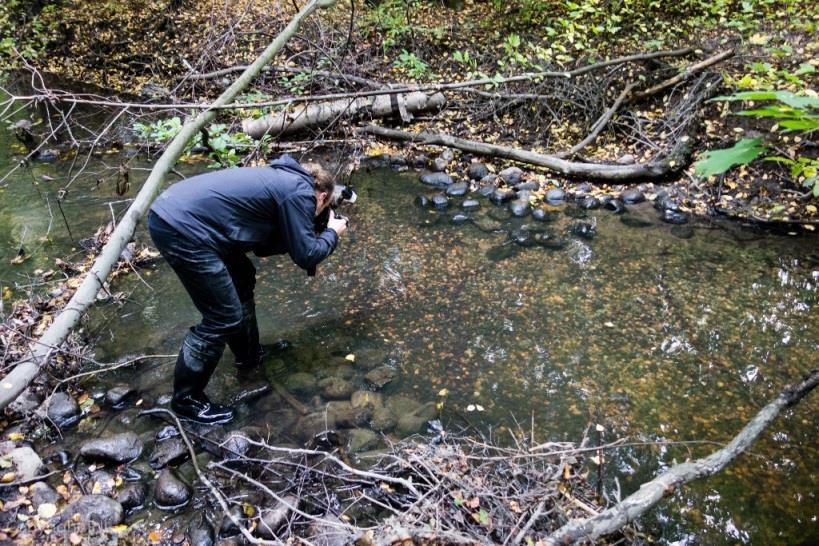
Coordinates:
column 555, row 196
column 27, row 402
column 502, row 195
column 344, row 414
column 440, row 201
column 364, row 399
column 119, row 448
column 235, row 444
column 97, row 509
column 632, row 196
column 381, row 376
column 527, row 186
column 439, row 164
column 398, row 162
column 543, row 215
column 520, row 208
column 168, row 431
column 63, row 410
column 42, row 493
column 471, row 204
column 486, row 224
column 440, row 180
column 477, row 171
column 423, row 201
column 674, row 217
column 361, row 439
column 100, row 482
column 588, row 202
column 272, row 519
column 330, row 531
column 172, row 451
column 585, row 230
column 413, row 422
column 522, row 237
column 549, row 240
column 116, row 396
column 447, row 155
column 335, row 388
column 383, row 419
column 615, row 205
column 200, row 531
column 301, row 383
column 132, row 496
column 459, row 218
column 626, row 159
column 170, row 492
column 457, row 189
column 511, row 175
column 229, row 528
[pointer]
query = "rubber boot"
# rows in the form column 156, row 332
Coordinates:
column 245, row 342
column 195, row 364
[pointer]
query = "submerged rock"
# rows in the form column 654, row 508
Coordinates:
column 635, row 222
column 423, row 201
column 200, row 532
column 615, row 205
column 363, row 399
column 471, row 204
column 63, row 410
column 555, row 195
column 42, row 493
column 501, row 252
column 439, row 164
column 97, row 509
column 440, row 201
column 586, row 230
column 235, row 444
column 632, row 196
column 520, row 208
column 527, row 186
column 511, row 175
column 588, row 203
column 459, row 218
column 522, row 237
column 543, row 215
column 229, row 525
column 361, row 439
column 682, row 232
column 440, row 180
column 25, row 462
column 272, row 519
column 674, row 217
column 381, row 376
column 132, row 496
column 335, row 388
column 116, row 396
column 119, row 448
column 502, row 195
column 457, row 189
column 301, row 383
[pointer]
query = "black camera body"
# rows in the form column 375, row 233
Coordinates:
column 341, row 194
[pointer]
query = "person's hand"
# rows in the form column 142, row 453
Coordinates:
column 339, row 225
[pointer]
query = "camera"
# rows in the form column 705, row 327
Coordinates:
column 341, row 194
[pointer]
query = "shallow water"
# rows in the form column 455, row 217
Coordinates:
column 654, row 337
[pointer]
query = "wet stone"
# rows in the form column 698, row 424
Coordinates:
column 585, row 230
column 170, row 492
column 63, row 410
column 272, row 519
column 457, row 189
column 511, row 175
column 527, row 186
column 344, row 414
column 398, row 161
column 116, row 396
column 440, row 180
column 674, row 217
column 439, row 164
column 383, row 420
column 632, row 196
column 588, row 203
column 381, row 376
column 168, row 431
column 200, row 532
column 95, row 509
column 459, row 218
column 615, row 205
column 229, row 527
column 172, row 451
column 550, row 241
column 27, row 402
column 501, row 252
column 119, row 448
column 485, row 224
column 25, row 463
column 440, row 201
column 364, row 399
column 542, row 215
column 502, row 195
column 447, row 155
column 555, row 195
column 522, row 237
column 423, row 201
column 583, row 187
column 235, row 444
column 575, row 212
column 471, row 204
column 520, row 208
column 361, row 439
column 476, row 171
column 335, row 388
column 132, row 496
column 499, row 213
column 100, row 482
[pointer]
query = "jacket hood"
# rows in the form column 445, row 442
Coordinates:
column 287, row 163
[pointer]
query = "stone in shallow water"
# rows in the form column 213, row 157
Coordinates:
column 235, row 444
column 543, row 215
column 172, row 451
column 301, row 382
column 476, row 171
column 555, row 195
column 459, row 218
column 96, row 509
column 615, row 205
column 63, row 410
column 527, row 186
column 271, row 519
column 575, row 212
column 550, row 240
column 437, row 179
column 423, row 201
column 361, row 439
column 502, row 195
column 511, row 175
column 586, row 230
column 520, row 208
column 632, row 196
column 132, row 496
column 119, row 448
column 457, row 189
column 363, row 399
column 501, row 252
column 335, row 388
column 522, row 237
column 439, row 164
column 440, row 201
column 116, row 396
column 381, row 376
column 170, row 492
column 330, row 531
column 674, row 217
column 25, row 463
column 588, row 203
column 200, row 532
column 471, row 204
column 42, row 493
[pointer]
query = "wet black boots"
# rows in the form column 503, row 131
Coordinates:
column 195, row 364
column 245, row 343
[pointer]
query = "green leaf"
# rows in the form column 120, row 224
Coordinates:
column 719, row 161
column 483, row 516
column 804, row 68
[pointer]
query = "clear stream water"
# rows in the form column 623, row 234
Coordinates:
column 654, row 337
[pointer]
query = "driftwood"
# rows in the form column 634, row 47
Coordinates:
column 659, row 167
column 321, row 114
column 41, row 350
column 650, row 493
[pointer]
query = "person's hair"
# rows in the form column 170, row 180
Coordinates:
column 323, row 179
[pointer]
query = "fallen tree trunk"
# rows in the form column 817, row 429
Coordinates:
column 652, row 492
column 659, row 167
column 25, row 371
column 319, row 115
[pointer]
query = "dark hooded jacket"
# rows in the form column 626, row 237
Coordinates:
column 267, row 210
